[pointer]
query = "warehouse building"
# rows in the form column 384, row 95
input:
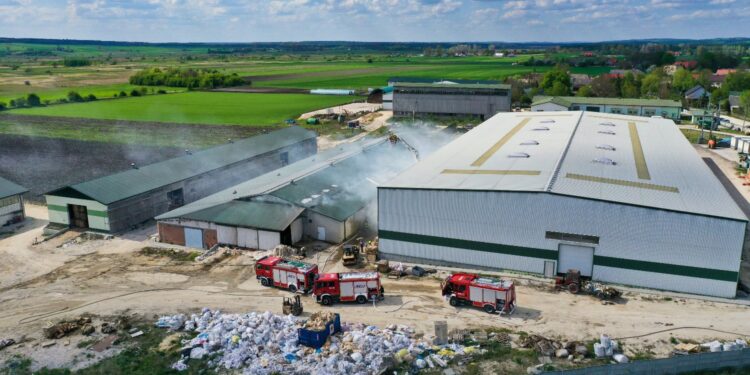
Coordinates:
column 669, row 109
column 623, row 199
column 449, row 98
column 11, row 202
column 326, row 197
column 118, row 202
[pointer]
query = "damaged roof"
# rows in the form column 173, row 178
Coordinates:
column 132, row 182
column 258, row 214
column 8, row 188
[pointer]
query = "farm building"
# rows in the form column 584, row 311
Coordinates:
column 669, row 109
column 623, row 199
column 117, row 202
column 11, row 202
column 482, row 99
column 326, row 197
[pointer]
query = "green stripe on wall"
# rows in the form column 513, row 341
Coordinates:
column 469, row 245
column 672, row 269
column 637, row 265
column 54, row 207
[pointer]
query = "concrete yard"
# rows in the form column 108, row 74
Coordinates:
column 62, row 278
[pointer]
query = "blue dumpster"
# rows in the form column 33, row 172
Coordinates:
column 316, row 339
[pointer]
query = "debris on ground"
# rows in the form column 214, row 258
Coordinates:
column 687, row 348
column 265, row 343
column 104, row 343
column 718, row 346
column 288, row 251
column 64, row 328
column 540, row 344
column 4, row 343
column 47, row 344
column 318, row 320
column 601, row 291
column 606, row 347
column 107, row 328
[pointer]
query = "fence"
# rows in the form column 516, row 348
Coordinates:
column 674, row 365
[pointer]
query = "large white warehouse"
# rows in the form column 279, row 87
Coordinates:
column 624, row 199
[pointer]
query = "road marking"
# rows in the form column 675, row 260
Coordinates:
column 488, row 154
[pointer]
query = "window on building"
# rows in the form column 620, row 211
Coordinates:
column 593, row 109
column 572, row 237
column 615, row 110
column 8, row 201
column 633, row 111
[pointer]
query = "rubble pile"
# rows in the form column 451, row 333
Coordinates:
column 63, row 328
column 718, row 346
column 265, row 343
column 287, row 251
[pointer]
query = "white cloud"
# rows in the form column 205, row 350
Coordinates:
column 515, row 13
column 719, row 2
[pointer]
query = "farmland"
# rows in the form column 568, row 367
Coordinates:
column 196, row 107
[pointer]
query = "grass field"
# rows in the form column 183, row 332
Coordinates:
column 196, row 107
column 9, row 92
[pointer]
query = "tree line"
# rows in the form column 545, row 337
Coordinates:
column 190, row 78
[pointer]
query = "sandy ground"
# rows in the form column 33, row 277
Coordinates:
column 369, row 122
column 346, row 108
column 48, row 282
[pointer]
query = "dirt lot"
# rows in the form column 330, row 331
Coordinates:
column 64, row 279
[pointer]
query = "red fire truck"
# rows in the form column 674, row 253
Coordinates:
column 287, row 274
column 347, row 287
column 490, row 294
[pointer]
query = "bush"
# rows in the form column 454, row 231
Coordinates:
column 190, row 78
column 90, row 97
column 76, row 61
column 123, row 94
column 161, row 92
column 74, row 97
column 18, row 103
column 33, row 100
column 3, row 106
column 135, row 92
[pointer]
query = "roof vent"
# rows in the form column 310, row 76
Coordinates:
column 605, row 161
column 518, row 155
column 547, row 121
column 605, row 147
column 530, row 142
column 608, row 132
column 132, row 165
column 606, row 124
column 540, row 128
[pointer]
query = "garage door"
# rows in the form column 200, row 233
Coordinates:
column 576, row 257
column 194, row 238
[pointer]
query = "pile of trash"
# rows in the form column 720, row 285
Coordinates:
column 288, row 251
column 265, row 343
column 728, row 346
column 318, row 320
column 606, row 347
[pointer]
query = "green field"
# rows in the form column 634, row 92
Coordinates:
column 7, row 93
column 197, row 107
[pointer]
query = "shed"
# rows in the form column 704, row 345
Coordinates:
column 11, row 202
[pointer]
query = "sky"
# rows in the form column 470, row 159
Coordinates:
column 374, row 20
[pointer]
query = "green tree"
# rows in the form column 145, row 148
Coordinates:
column 74, row 97
column 630, row 87
column 585, row 91
column 3, row 106
column 135, row 92
column 90, row 97
column 682, row 80
column 745, row 102
column 556, row 82
column 652, row 82
column 33, row 100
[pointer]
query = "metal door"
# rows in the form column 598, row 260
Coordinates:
column 194, row 238
column 360, row 287
column 321, row 233
column 576, row 257
column 78, row 216
column 549, row 268
column 347, row 289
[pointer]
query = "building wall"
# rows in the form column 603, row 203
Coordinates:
column 405, row 104
column 268, row 240
column 506, row 230
column 354, row 223
column 334, row 229
column 172, row 231
column 57, row 208
column 11, row 209
column 298, row 230
column 388, row 101
column 124, row 214
column 672, row 113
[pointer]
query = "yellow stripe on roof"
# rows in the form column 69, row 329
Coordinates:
column 507, row 172
column 488, row 154
column 640, row 160
column 612, row 181
column 618, row 118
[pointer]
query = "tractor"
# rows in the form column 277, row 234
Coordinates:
column 571, row 281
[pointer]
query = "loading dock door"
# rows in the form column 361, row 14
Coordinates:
column 78, row 216
column 576, row 257
column 194, row 238
column 321, row 233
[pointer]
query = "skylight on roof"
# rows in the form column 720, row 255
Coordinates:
column 530, row 142
column 605, row 161
column 605, row 147
column 518, row 155
column 547, row 121
column 540, row 128
column 607, row 124
column 608, row 132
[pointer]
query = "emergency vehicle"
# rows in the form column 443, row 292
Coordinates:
column 492, row 295
column 288, row 274
column 347, row 287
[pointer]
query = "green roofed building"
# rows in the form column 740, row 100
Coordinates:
column 669, row 109
column 118, row 202
column 325, row 197
column 11, row 202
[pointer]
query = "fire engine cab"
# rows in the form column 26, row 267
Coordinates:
column 493, row 295
column 347, row 287
column 286, row 274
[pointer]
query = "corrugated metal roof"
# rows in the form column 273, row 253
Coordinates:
column 336, row 182
column 8, row 188
column 646, row 162
column 132, row 182
column 568, row 101
column 258, row 214
column 432, row 80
